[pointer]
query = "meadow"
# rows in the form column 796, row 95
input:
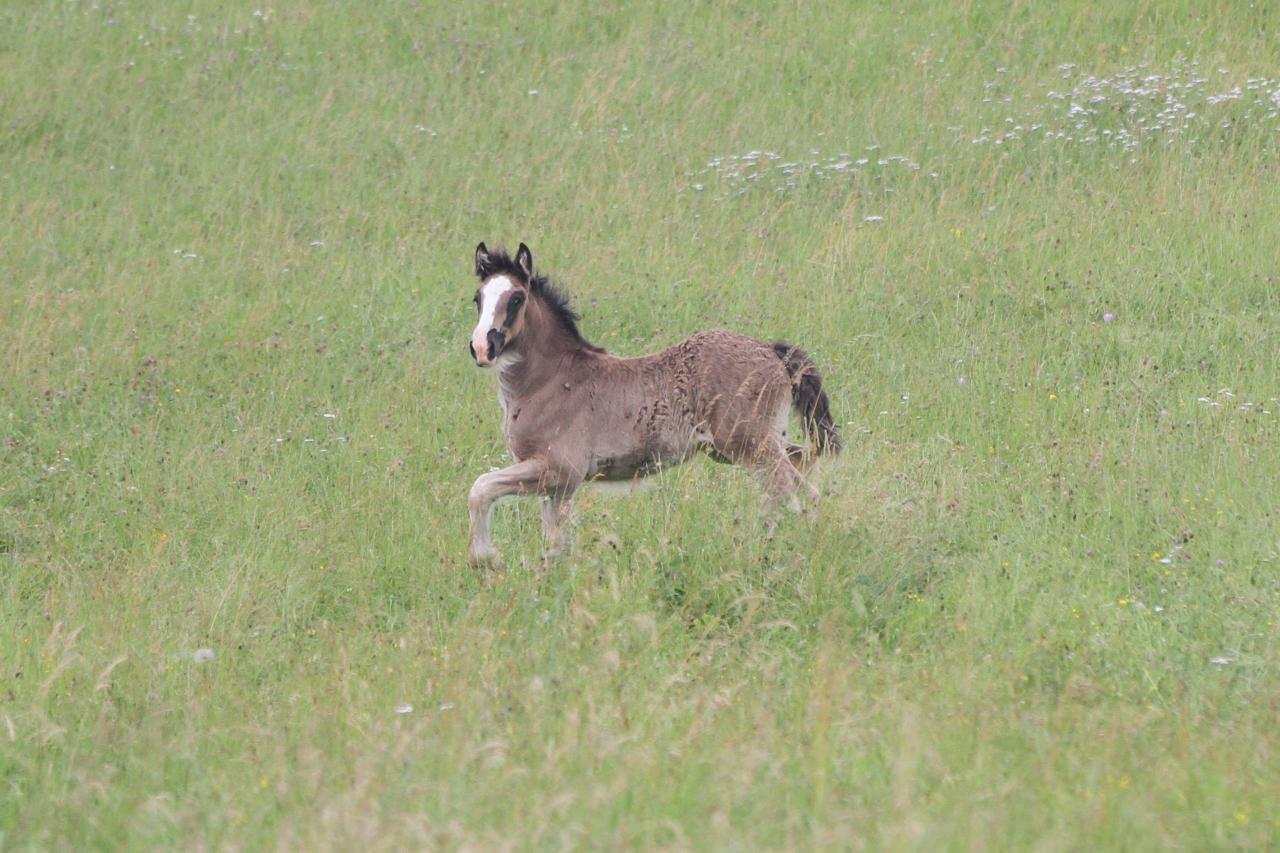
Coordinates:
column 1032, row 246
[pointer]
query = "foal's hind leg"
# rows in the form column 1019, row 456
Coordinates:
column 802, row 462
column 781, row 481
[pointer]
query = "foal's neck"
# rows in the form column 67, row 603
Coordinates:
column 545, row 348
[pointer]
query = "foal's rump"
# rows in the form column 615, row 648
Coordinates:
column 740, row 394
column 746, row 389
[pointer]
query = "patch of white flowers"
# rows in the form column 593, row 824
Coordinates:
column 1131, row 108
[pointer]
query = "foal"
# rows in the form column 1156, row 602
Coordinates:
column 572, row 413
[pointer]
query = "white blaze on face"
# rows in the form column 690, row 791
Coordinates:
column 489, row 296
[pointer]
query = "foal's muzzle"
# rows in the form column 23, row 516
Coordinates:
column 494, row 342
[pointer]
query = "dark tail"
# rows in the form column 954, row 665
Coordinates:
column 809, row 398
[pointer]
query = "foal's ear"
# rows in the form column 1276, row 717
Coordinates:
column 524, row 259
column 482, row 260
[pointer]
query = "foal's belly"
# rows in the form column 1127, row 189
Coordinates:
column 639, row 462
column 611, row 469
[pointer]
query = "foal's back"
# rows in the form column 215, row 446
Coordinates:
column 716, row 391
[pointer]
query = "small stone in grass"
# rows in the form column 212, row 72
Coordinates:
column 203, row 655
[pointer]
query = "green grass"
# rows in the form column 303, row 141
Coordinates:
column 236, row 412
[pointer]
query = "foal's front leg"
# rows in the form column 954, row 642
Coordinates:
column 555, row 524
column 531, row 477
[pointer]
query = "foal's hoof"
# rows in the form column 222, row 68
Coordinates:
column 549, row 559
column 489, row 560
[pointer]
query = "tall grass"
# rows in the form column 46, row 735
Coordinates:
column 1037, row 607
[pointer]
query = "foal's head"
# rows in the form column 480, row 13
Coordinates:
column 505, row 288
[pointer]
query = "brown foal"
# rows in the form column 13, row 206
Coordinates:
column 573, row 414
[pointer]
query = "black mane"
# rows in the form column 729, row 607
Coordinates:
column 498, row 262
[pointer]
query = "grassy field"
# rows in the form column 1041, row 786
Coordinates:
column 1033, row 247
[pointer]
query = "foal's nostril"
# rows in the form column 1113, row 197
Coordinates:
column 496, row 341
column 472, row 347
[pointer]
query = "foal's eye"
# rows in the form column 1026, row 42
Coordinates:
column 517, row 300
